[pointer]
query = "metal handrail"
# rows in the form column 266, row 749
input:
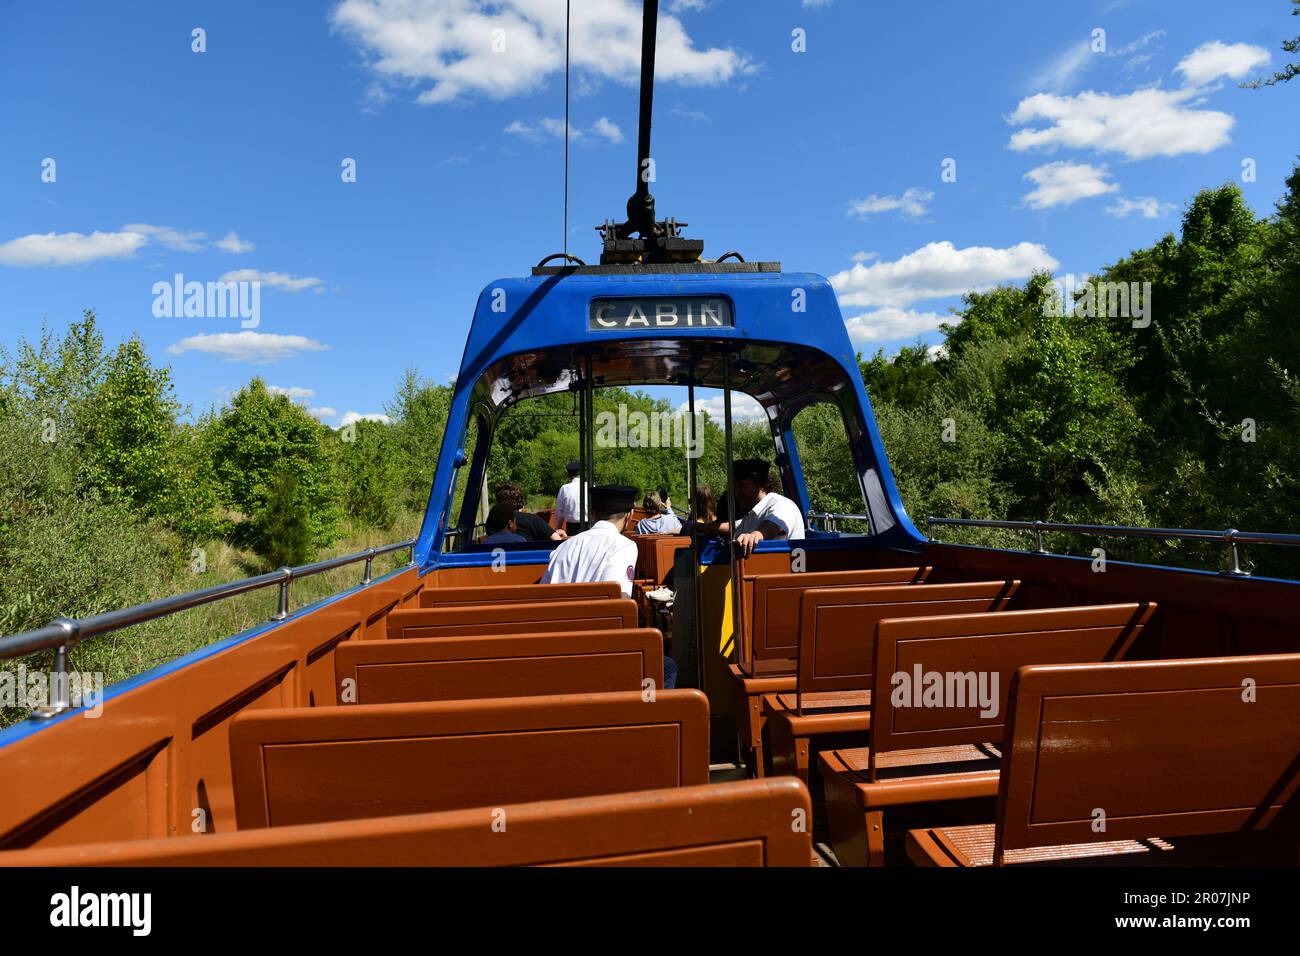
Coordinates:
column 1230, row 538
column 831, row 519
column 65, row 633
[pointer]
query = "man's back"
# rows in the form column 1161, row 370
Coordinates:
column 778, row 510
column 599, row 554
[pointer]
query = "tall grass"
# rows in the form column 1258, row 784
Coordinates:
column 136, row 649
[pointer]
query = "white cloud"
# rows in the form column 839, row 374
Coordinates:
column 889, row 324
column 677, row 6
column 275, row 280
column 351, row 417
column 602, row 128
column 1216, row 59
column 70, row 248
column 1060, row 184
column 176, row 239
column 816, row 4
column 864, row 256
column 322, row 412
column 446, row 46
column 743, row 408
column 912, row 203
column 1064, row 69
column 937, row 270
column 232, row 243
column 292, row 391
column 75, row 248
column 1148, row 207
column 1142, row 124
column 260, row 348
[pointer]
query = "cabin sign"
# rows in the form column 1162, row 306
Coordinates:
column 676, row 312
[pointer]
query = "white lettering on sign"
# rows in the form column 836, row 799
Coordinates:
column 679, row 313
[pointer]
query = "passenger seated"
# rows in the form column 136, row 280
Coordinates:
column 766, row 514
column 603, row 552
column 501, row 526
column 661, row 520
column 704, row 512
column 532, row 527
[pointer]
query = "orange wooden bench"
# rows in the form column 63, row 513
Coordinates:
column 498, row 665
column 772, row 620
column 830, row 705
column 528, row 617
column 515, row 594
column 938, row 710
column 310, row 765
column 745, row 823
column 1162, row 762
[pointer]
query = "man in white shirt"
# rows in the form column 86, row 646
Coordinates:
column 767, row 515
column 568, row 502
column 603, row 552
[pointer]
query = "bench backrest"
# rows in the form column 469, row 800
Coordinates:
column 498, row 665
column 514, row 594
column 744, row 823
column 776, row 597
column 837, row 626
column 655, row 554
column 1150, row 749
column 526, row 617
column 309, row 765
column 944, row 681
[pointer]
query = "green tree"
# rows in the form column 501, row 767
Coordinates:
column 1290, row 70
column 260, row 433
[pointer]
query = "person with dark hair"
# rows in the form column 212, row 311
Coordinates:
column 764, row 515
column 603, row 552
column 531, row 526
column 501, row 526
column 704, row 512
column 661, row 520
column 568, row 502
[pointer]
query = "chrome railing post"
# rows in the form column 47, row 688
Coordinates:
column 1038, row 537
column 283, row 610
column 929, row 527
column 1234, row 563
column 60, row 683
column 370, row 560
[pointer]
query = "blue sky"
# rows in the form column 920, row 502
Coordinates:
column 1071, row 148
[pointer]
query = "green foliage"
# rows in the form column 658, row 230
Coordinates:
column 259, row 435
column 370, row 473
column 281, row 530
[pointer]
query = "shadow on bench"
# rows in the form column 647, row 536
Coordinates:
column 508, row 665
column 1167, row 762
column 528, row 617
column 517, row 593
column 939, row 704
column 309, row 765
column 747, row 823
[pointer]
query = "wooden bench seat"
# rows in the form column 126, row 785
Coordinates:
column 514, row 593
column 526, row 617
column 1157, row 762
column 837, row 630
column 498, row 665
column 924, row 752
column 746, row 823
column 310, row 765
column 772, row 622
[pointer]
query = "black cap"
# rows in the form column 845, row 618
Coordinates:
column 574, row 467
column 756, row 470
column 613, row 499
